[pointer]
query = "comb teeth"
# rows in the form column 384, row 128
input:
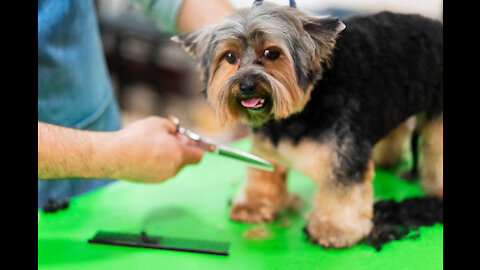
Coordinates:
column 158, row 242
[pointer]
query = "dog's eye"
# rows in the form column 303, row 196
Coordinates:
column 271, row 53
column 231, row 58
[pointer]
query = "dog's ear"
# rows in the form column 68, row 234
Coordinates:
column 323, row 31
column 195, row 43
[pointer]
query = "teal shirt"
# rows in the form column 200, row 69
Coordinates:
column 74, row 89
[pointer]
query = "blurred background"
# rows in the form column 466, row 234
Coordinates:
column 154, row 76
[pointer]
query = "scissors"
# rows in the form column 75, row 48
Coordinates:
column 220, row 149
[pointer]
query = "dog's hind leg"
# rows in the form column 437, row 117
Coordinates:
column 263, row 193
column 390, row 150
column 431, row 165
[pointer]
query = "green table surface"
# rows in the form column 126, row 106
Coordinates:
column 194, row 204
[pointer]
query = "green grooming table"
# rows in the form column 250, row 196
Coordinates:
column 194, row 204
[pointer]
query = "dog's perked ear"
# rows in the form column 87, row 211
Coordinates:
column 195, row 42
column 323, row 31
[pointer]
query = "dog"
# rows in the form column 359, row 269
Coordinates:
column 329, row 99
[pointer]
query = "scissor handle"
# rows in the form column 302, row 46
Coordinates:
column 174, row 121
column 182, row 130
column 195, row 139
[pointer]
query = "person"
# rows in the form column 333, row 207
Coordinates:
column 81, row 142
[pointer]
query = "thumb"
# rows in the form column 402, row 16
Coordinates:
column 192, row 154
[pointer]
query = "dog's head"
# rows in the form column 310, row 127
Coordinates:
column 260, row 63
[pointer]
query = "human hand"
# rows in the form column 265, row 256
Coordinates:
column 149, row 150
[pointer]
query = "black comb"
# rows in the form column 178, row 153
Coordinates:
column 161, row 242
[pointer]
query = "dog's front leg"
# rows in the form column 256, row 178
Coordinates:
column 261, row 196
column 343, row 203
column 263, row 192
column 342, row 211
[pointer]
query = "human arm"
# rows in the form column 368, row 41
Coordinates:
column 148, row 150
column 195, row 14
column 184, row 16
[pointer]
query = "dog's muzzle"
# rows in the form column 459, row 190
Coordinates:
column 253, row 92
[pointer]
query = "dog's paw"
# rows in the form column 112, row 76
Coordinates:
column 336, row 235
column 252, row 212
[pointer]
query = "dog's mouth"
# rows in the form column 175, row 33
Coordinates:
column 253, row 108
column 254, row 103
column 257, row 109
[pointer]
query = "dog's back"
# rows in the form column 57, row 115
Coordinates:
column 386, row 67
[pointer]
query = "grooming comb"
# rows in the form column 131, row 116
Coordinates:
column 161, row 242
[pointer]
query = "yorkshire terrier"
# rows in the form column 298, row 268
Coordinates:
column 329, row 99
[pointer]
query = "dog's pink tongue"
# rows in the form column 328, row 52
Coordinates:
column 251, row 102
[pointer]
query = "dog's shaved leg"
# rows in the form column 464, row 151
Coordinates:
column 390, row 150
column 431, row 166
column 261, row 197
column 263, row 193
column 342, row 209
column 342, row 213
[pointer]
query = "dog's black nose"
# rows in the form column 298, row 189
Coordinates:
column 247, row 86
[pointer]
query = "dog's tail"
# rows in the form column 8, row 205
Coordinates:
column 412, row 174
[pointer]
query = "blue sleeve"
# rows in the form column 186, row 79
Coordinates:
column 163, row 12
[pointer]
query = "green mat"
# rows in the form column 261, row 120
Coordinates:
column 194, row 204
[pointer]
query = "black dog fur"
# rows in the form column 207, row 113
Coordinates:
column 384, row 69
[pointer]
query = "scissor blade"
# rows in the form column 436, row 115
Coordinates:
column 248, row 158
column 223, row 150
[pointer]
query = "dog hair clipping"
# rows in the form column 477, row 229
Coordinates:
column 257, row 3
